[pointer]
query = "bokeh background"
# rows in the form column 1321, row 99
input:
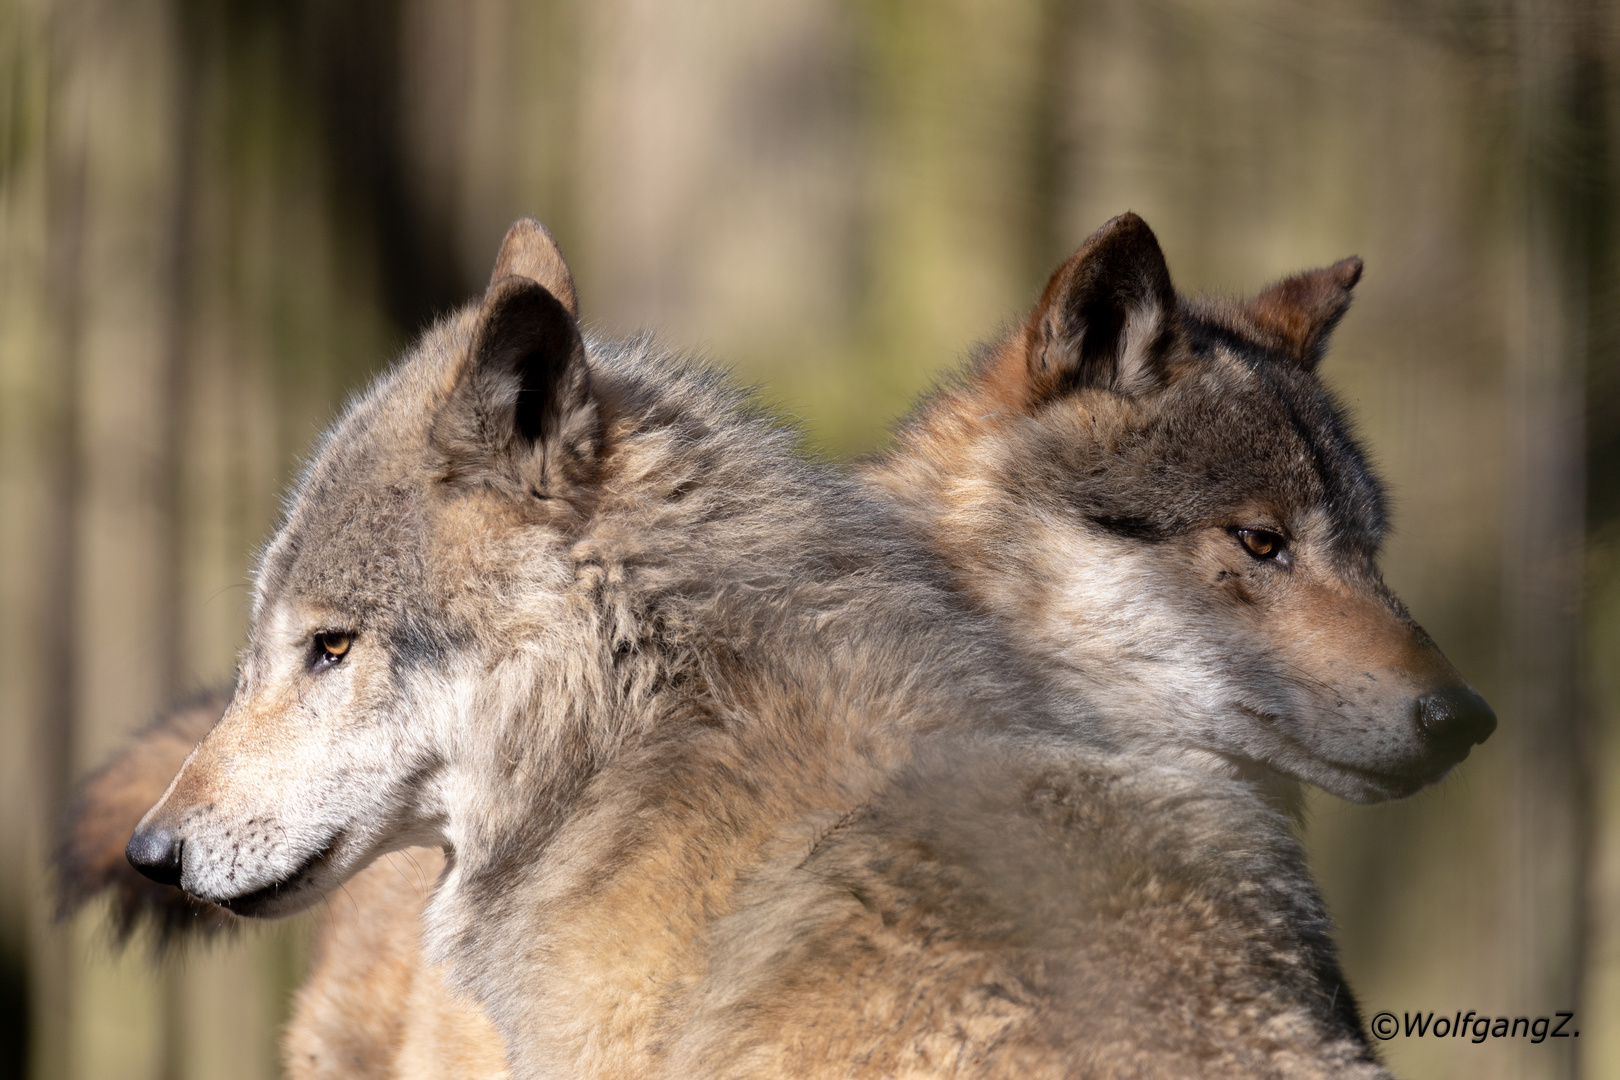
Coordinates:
column 219, row 217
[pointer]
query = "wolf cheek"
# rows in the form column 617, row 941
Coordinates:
column 251, row 821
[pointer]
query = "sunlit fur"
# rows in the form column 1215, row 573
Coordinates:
column 731, row 781
column 373, row 1008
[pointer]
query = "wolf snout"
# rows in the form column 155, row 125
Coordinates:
column 156, row 853
column 1454, row 719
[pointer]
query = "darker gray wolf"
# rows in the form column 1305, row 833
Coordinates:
column 1158, row 499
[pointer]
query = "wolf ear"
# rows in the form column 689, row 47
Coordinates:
column 1107, row 316
column 523, row 394
column 528, row 349
column 529, row 251
column 1298, row 313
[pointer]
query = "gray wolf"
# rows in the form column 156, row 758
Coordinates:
column 906, row 803
column 1158, row 499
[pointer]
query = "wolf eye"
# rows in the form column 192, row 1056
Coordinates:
column 1260, row 543
column 330, row 647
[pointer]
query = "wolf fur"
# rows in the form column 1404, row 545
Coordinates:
column 373, row 1008
column 919, row 814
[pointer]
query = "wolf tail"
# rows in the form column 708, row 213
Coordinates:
column 89, row 854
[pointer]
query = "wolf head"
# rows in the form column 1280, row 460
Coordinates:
column 418, row 509
column 1162, row 500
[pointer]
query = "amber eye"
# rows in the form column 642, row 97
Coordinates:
column 1260, row 543
column 331, row 646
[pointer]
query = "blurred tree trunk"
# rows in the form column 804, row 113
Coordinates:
column 1600, row 929
column 1562, row 132
column 61, row 465
column 152, row 413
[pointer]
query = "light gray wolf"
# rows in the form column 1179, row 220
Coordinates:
column 905, row 802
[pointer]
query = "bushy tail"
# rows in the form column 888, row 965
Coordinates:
column 89, row 857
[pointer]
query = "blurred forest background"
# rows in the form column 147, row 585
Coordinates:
column 219, row 217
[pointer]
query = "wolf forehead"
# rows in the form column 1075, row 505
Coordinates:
column 356, row 532
column 1237, row 434
column 398, row 525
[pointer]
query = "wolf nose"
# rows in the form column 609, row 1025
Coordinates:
column 155, row 853
column 1456, row 717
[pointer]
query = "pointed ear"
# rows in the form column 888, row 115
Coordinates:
column 522, row 403
column 1107, row 316
column 529, row 251
column 1298, row 313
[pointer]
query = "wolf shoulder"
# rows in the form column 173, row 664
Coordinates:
column 1004, row 901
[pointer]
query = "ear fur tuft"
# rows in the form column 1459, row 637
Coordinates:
column 1106, row 315
column 1299, row 313
column 529, row 250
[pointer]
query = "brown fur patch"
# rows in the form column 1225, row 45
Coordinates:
column 1299, row 312
column 372, row 1008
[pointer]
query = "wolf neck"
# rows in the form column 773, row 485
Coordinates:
column 760, row 651
column 604, row 931
column 1053, row 586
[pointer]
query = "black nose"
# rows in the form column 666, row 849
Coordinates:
column 155, row 853
column 1456, row 718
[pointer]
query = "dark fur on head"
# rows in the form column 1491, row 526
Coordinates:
column 1230, row 419
column 1213, row 401
column 89, row 856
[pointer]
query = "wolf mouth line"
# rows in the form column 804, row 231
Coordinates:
column 1305, row 765
column 276, row 894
